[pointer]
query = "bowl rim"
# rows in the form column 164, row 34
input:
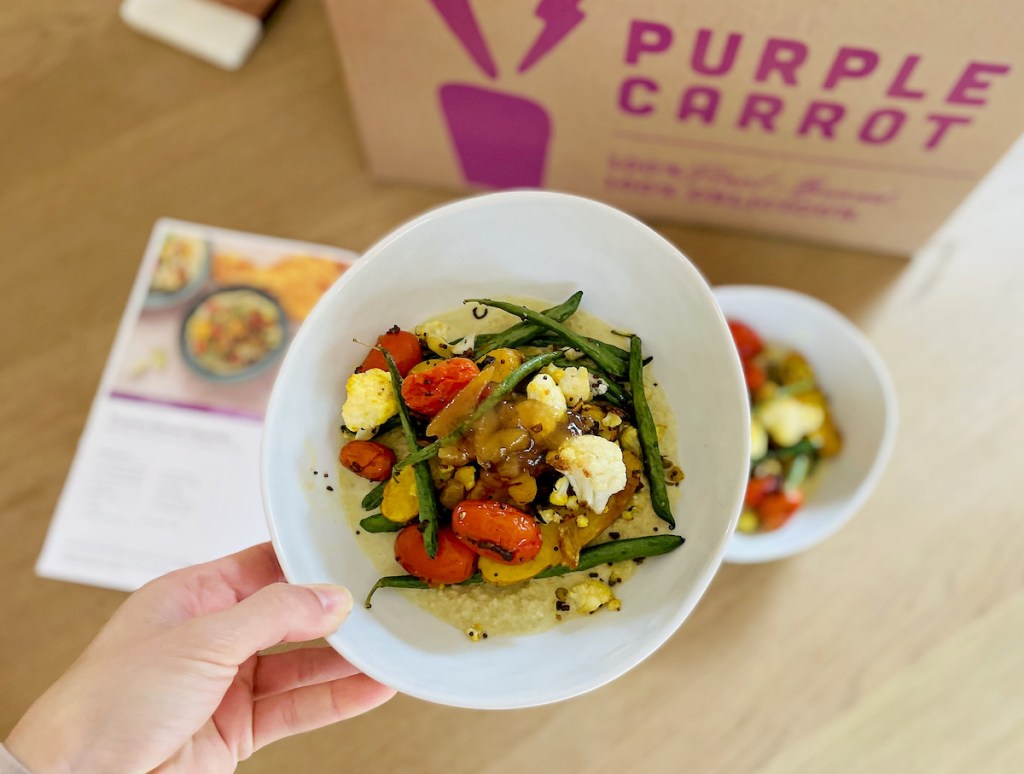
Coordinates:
column 890, row 408
column 712, row 562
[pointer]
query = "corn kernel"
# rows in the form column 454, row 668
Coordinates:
column 614, row 604
column 582, row 522
column 572, row 503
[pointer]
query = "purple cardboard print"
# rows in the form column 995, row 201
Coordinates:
column 560, row 17
column 830, row 120
column 501, row 140
column 458, row 15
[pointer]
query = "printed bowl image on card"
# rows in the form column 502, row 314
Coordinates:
column 217, row 316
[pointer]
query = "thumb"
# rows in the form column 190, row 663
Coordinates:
column 280, row 612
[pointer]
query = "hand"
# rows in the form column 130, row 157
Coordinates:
column 175, row 682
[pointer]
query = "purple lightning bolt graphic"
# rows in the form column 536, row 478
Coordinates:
column 458, row 15
column 560, row 17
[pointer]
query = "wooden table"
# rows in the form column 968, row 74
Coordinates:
column 895, row 646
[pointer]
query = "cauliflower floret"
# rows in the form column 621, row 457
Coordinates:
column 370, row 403
column 594, row 468
column 758, row 439
column 587, row 596
column 788, row 420
column 575, row 385
column 543, row 388
column 464, row 346
column 598, row 386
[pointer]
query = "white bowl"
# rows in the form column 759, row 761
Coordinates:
column 862, row 399
column 544, row 245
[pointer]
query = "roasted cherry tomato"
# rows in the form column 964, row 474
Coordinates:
column 747, row 342
column 775, row 509
column 497, row 530
column 757, row 488
column 427, row 392
column 754, row 375
column 404, row 348
column 454, row 563
column 368, row 459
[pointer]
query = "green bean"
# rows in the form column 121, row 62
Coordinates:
column 611, row 349
column 590, row 557
column 378, row 522
column 617, row 551
column 497, row 395
column 522, row 333
column 425, row 494
column 648, row 434
column 804, row 447
column 799, row 468
column 604, row 360
column 374, row 497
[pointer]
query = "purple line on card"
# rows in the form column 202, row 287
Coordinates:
column 226, row 412
column 807, row 158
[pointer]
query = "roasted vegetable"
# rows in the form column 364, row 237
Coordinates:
column 452, row 562
column 576, row 533
column 497, row 530
column 592, row 556
column 403, row 346
column 648, row 433
column 503, row 574
column 368, row 459
column 425, row 493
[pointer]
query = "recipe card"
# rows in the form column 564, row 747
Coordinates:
column 167, row 470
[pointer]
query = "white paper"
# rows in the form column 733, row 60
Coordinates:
column 167, row 470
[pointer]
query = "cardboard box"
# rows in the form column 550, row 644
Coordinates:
column 845, row 121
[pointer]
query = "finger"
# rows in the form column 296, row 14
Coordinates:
column 280, row 612
column 280, row 672
column 315, row 706
column 212, row 586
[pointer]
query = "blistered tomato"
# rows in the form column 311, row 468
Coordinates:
column 427, row 392
column 404, row 348
column 454, row 561
column 497, row 530
column 368, row 459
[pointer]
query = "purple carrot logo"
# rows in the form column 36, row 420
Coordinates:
column 501, row 139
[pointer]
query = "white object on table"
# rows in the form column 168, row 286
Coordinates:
column 216, row 33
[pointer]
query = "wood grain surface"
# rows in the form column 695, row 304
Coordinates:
column 893, row 647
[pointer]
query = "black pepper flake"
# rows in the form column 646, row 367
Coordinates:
column 655, row 529
column 563, row 606
column 639, row 560
column 316, row 472
column 325, row 475
column 330, row 488
column 614, row 535
column 480, row 312
column 358, row 532
column 593, row 575
column 484, row 635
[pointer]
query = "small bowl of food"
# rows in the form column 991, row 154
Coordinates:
column 233, row 334
column 182, row 268
column 522, row 451
column 823, row 419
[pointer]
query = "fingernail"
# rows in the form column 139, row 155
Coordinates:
column 334, row 599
